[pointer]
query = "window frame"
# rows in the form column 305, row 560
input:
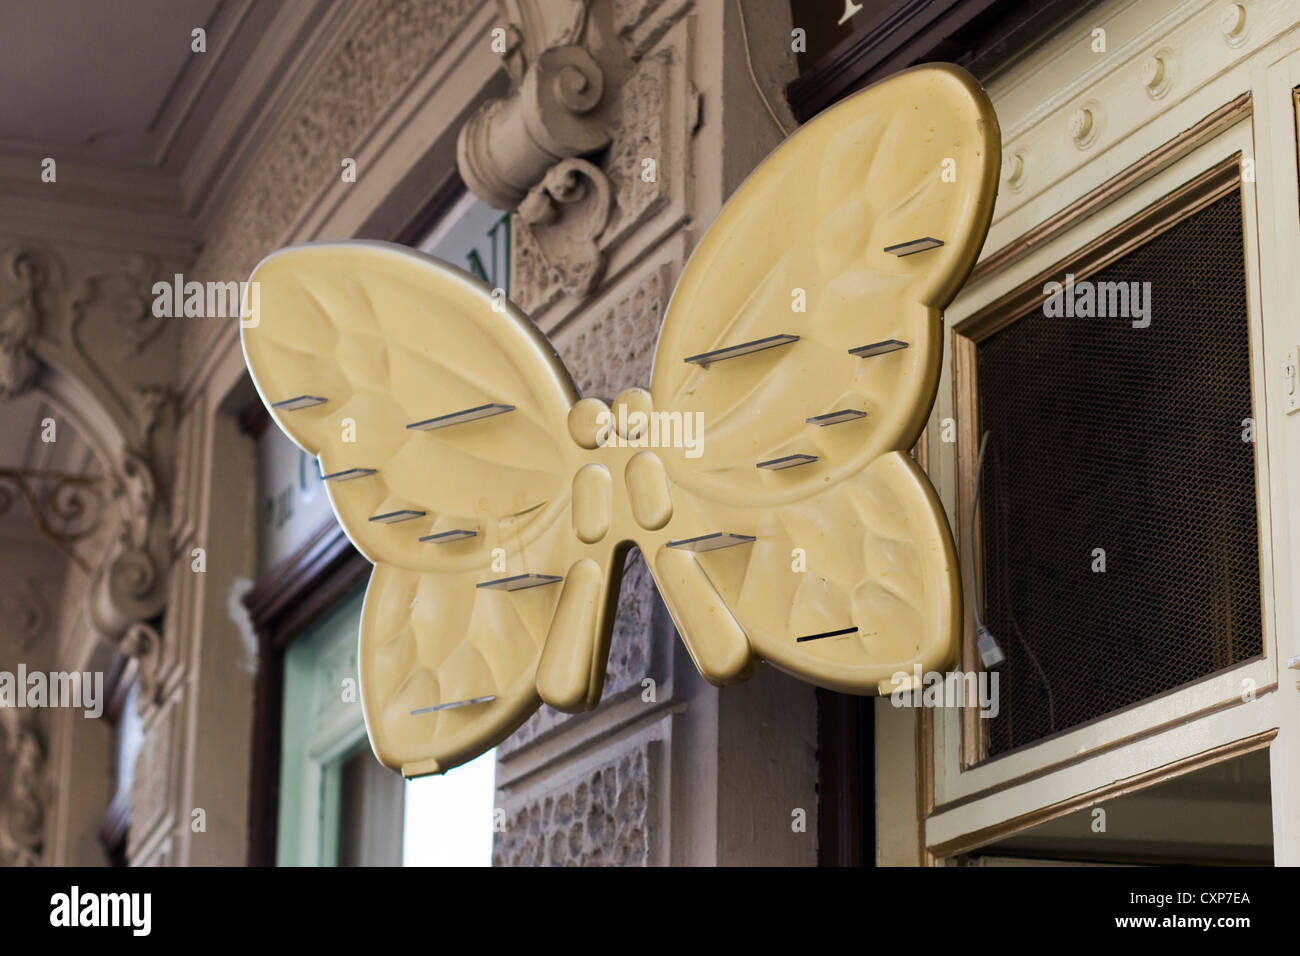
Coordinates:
column 1220, row 180
column 327, row 731
column 970, row 803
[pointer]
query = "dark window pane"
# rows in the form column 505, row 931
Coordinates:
column 1130, row 440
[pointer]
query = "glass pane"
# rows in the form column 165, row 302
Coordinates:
column 1220, row 815
column 130, row 734
column 1118, row 499
column 449, row 818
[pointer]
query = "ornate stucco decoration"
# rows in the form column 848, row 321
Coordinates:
column 27, row 611
column 66, row 508
column 118, row 348
column 523, row 153
column 79, row 326
column 130, row 587
column 567, row 211
column 20, row 323
column 507, row 146
column 22, row 809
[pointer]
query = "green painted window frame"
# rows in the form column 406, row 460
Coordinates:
column 321, row 727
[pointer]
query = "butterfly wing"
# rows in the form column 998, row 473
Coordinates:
column 389, row 337
column 804, row 248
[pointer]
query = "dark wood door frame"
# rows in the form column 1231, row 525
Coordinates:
column 846, row 746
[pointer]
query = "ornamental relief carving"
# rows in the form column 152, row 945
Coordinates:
column 27, row 612
column 64, row 508
column 566, row 213
column 22, row 312
column 578, row 150
column 128, row 353
column 22, row 807
column 84, row 329
column 642, row 23
column 130, row 588
column 639, row 164
column 126, row 350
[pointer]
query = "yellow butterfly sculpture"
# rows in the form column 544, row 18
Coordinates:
column 765, row 475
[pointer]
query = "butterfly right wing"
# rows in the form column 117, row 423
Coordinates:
column 390, row 337
column 808, row 246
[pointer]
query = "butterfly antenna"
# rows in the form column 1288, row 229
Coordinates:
column 749, row 63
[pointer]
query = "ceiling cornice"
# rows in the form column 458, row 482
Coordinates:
column 220, row 111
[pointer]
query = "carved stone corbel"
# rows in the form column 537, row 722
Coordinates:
column 95, row 348
column 507, row 145
column 566, row 212
column 522, row 154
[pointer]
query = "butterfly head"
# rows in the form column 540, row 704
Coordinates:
column 593, row 424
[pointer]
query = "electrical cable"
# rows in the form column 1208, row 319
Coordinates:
column 749, row 63
column 1003, row 512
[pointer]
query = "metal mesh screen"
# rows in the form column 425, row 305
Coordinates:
column 1130, row 440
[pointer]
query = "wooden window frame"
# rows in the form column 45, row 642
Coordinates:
column 1160, row 216
column 968, row 802
column 282, row 605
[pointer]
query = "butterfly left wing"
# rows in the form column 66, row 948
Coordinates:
column 388, row 337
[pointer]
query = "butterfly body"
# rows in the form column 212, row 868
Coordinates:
column 764, row 474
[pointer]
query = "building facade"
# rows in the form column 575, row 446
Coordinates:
column 1125, row 536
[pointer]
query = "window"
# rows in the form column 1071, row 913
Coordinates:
column 1220, row 815
column 324, row 799
column 1119, row 547
column 338, row 806
column 1115, row 537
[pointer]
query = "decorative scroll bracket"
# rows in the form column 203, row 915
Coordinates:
column 566, row 213
column 130, row 587
column 65, row 508
column 521, row 154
